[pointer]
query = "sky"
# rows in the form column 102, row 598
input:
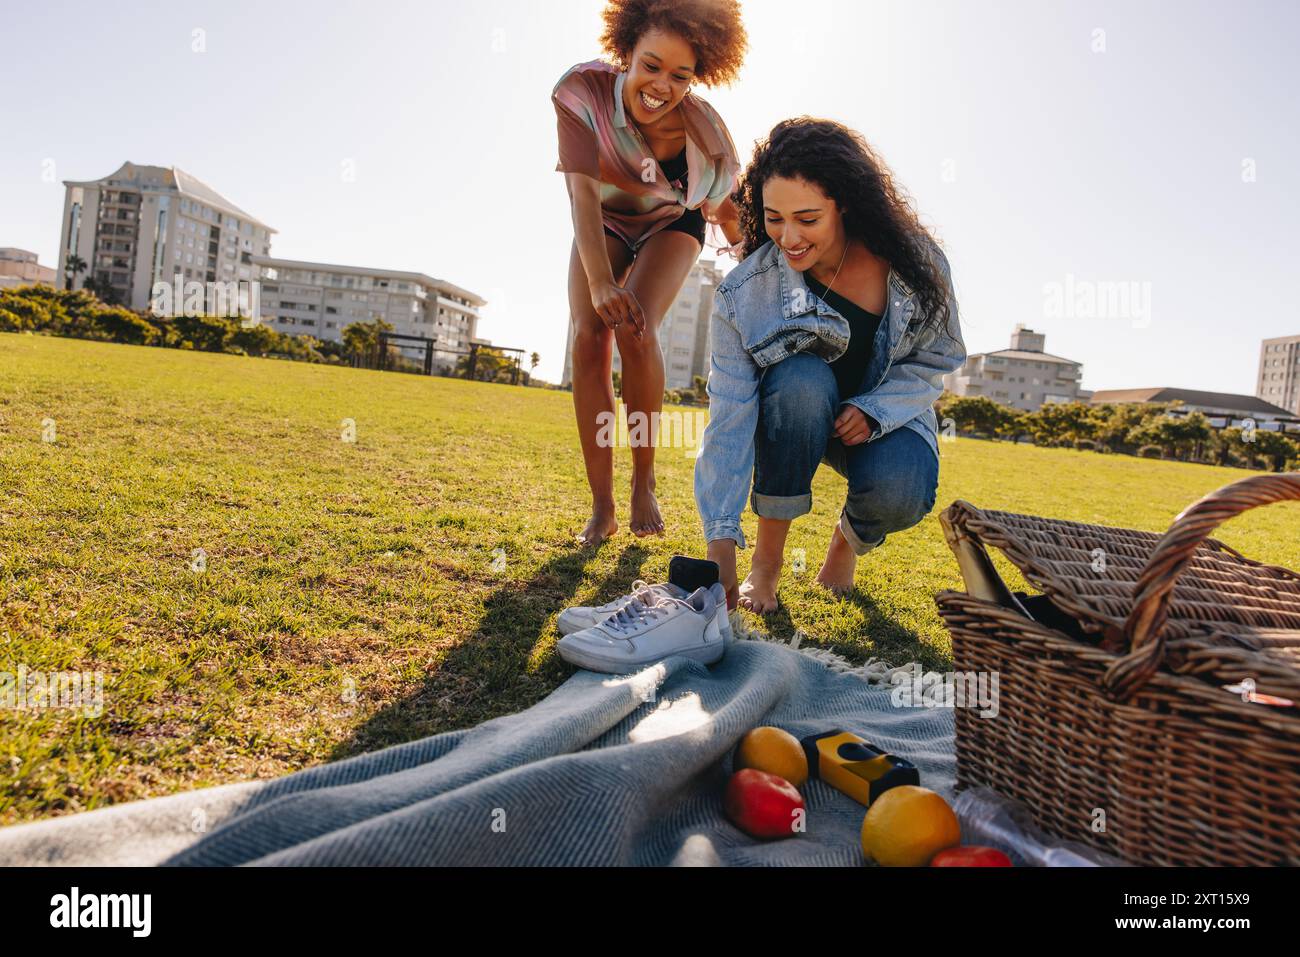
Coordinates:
column 1124, row 177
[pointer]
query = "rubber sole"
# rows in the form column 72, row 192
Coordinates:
column 581, row 658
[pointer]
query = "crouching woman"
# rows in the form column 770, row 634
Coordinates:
column 830, row 341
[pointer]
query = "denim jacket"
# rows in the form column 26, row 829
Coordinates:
column 763, row 312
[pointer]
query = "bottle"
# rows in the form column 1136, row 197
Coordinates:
column 989, row 819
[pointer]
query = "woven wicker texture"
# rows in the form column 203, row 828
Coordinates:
column 1121, row 708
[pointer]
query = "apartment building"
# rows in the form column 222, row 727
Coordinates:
column 146, row 224
column 18, row 267
column 1279, row 373
column 1023, row 376
column 321, row 300
column 683, row 333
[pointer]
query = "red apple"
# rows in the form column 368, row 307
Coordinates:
column 764, row 805
column 970, row 856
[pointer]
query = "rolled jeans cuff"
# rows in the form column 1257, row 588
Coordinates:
column 780, row 507
column 724, row 528
column 854, row 539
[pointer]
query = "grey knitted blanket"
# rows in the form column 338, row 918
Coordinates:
column 606, row 770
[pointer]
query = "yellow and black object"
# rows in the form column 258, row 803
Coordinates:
column 849, row 764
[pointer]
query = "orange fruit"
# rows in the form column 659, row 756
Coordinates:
column 908, row 825
column 774, row 751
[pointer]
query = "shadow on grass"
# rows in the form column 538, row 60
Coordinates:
column 490, row 672
column 883, row 636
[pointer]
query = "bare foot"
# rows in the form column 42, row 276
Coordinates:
column 600, row 526
column 837, row 571
column 758, row 590
column 646, row 519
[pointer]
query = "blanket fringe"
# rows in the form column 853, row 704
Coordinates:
column 874, row 671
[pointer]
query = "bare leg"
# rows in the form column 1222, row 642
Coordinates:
column 758, row 591
column 837, row 571
column 593, row 391
column 661, row 268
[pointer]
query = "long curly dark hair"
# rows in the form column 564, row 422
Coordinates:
column 876, row 211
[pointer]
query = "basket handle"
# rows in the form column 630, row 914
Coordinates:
column 1144, row 627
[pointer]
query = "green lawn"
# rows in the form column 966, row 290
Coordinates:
column 351, row 599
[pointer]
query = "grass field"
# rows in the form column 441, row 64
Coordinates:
column 360, row 594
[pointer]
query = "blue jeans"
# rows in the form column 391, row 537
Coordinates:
column 893, row 480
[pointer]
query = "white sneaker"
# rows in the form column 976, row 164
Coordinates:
column 586, row 616
column 640, row 634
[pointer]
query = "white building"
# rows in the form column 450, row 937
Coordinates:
column 1023, row 377
column 683, row 332
column 321, row 300
column 1279, row 372
column 147, row 224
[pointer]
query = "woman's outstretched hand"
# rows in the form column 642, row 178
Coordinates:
column 853, row 426
column 616, row 305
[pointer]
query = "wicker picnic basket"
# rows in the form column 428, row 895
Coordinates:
column 1113, row 682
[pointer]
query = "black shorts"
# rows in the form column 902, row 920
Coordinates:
column 690, row 222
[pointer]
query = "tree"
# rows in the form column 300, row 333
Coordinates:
column 701, row 388
column 71, row 266
column 101, row 289
column 1177, row 436
column 1275, row 448
column 534, row 361
column 123, row 325
column 1014, row 425
column 1116, row 421
column 489, row 365
column 206, row 333
column 22, row 313
column 979, row 415
column 1063, row 423
column 361, row 339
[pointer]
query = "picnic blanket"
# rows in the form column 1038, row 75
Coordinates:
column 607, row 770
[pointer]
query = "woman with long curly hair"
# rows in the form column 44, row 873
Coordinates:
column 646, row 162
column 830, row 342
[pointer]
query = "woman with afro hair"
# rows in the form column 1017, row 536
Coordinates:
column 646, row 164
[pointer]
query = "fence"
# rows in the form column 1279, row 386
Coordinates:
column 393, row 353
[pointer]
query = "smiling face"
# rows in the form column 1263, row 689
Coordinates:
column 804, row 223
column 659, row 76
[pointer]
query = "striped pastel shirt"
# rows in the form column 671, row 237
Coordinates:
column 596, row 138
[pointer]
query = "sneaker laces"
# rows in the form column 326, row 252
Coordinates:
column 641, row 590
column 637, row 613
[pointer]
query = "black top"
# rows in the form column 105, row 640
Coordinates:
column 674, row 168
column 851, row 368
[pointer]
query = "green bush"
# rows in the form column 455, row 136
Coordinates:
column 79, row 314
